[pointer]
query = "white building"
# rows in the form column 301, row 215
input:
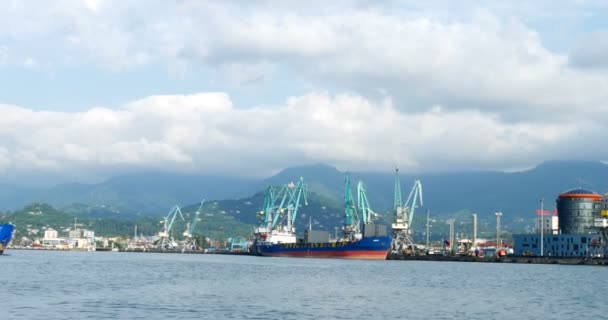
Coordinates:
column 81, row 239
column 550, row 224
column 50, row 233
column 89, row 234
column 59, row 243
column 80, row 243
column 75, row 233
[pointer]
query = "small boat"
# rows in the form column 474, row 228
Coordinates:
column 6, row 234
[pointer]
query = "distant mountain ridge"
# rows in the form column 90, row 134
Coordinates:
column 517, row 194
column 153, row 193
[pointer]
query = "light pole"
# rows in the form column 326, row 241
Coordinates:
column 498, row 240
column 428, row 227
column 451, row 224
column 221, row 238
column 474, row 230
column 542, row 227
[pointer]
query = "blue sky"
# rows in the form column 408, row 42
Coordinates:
column 95, row 88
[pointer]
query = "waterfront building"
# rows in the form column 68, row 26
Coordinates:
column 89, row 234
column 558, row 245
column 50, row 233
column 81, row 243
column 575, row 235
column 549, row 223
column 76, row 233
column 577, row 209
column 58, row 243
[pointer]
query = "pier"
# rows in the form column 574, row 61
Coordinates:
column 507, row 259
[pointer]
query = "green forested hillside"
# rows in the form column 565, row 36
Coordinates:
column 483, row 192
column 40, row 216
column 213, row 222
column 115, row 206
column 217, row 219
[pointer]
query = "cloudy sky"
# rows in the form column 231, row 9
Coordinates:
column 93, row 88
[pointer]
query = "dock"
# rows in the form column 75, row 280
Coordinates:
column 507, row 259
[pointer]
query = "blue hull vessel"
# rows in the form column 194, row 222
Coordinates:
column 372, row 248
column 6, row 233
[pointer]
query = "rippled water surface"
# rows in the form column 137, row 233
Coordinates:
column 112, row 285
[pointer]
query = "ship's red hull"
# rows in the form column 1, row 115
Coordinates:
column 359, row 255
column 370, row 248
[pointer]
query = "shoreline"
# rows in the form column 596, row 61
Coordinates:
column 391, row 257
column 508, row 259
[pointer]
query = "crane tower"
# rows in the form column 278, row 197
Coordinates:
column 166, row 240
column 403, row 242
column 279, row 213
column 190, row 241
column 351, row 228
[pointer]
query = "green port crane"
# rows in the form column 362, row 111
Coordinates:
column 280, row 211
column 351, row 219
column 265, row 215
column 412, row 200
column 291, row 195
column 271, row 209
column 403, row 242
column 237, row 244
column 166, row 239
column 397, row 199
column 190, row 242
column 298, row 191
column 363, row 204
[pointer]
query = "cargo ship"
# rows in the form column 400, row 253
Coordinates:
column 371, row 242
column 6, row 233
column 366, row 248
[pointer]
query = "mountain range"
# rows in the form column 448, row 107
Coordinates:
column 516, row 194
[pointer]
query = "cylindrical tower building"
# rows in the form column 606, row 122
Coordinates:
column 577, row 209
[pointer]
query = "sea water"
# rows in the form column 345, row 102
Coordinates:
column 114, row 285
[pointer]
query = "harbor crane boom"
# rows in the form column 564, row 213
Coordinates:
column 351, row 219
column 291, row 194
column 271, row 210
column 298, row 191
column 189, row 242
column 403, row 242
column 278, row 210
column 173, row 214
column 412, row 199
column 397, row 199
column 265, row 214
column 363, row 204
column 192, row 225
column 166, row 240
column 279, row 213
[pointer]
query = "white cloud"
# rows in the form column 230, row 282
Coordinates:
column 484, row 62
column 462, row 85
column 420, row 54
column 591, row 52
column 206, row 133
